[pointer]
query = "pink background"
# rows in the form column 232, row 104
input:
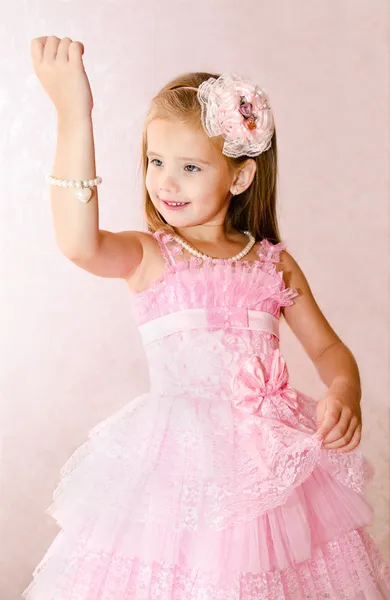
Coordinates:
column 70, row 354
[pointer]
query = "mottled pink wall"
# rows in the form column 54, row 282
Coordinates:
column 70, row 354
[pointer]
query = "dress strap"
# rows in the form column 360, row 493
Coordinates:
column 268, row 252
column 169, row 248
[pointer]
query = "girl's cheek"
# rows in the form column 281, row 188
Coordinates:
column 149, row 180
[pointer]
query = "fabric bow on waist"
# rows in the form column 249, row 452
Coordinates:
column 252, row 384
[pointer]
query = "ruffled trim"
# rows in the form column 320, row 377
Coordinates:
column 350, row 567
column 196, row 282
column 193, row 282
column 287, row 294
column 270, row 253
column 241, row 466
column 163, row 237
column 241, row 493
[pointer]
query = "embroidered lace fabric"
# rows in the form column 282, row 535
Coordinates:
column 211, row 485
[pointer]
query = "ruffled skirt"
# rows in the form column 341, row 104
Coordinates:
column 182, row 498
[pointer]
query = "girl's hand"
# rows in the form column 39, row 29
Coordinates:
column 58, row 64
column 340, row 422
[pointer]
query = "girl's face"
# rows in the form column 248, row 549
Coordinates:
column 183, row 167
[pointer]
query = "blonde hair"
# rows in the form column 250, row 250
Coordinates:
column 255, row 208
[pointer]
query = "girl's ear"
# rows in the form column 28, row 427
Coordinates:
column 243, row 177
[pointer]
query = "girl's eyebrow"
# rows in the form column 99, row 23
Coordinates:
column 188, row 158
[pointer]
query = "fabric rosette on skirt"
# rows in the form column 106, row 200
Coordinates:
column 259, row 391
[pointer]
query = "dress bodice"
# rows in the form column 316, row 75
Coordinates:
column 214, row 284
column 202, row 315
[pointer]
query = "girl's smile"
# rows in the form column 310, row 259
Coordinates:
column 172, row 205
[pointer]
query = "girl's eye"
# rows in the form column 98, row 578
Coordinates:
column 152, row 161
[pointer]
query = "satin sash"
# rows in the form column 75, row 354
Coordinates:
column 201, row 318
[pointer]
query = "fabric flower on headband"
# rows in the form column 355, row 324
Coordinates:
column 238, row 110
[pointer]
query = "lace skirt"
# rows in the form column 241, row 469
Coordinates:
column 180, row 498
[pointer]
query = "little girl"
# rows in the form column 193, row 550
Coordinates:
column 223, row 482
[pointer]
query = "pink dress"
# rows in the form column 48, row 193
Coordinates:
column 211, row 486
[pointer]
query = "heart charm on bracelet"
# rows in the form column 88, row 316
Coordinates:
column 84, row 194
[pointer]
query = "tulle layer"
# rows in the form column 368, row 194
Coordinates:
column 318, row 511
column 176, row 481
column 349, row 568
column 186, row 464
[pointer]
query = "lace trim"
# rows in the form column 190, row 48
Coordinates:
column 269, row 252
column 182, row 286
column 163, row 239
column 348, row 568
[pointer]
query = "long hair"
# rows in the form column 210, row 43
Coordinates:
column 255, row 208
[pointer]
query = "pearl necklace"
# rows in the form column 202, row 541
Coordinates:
column 199, row 254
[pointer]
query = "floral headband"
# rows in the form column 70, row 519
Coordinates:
column 239, row 111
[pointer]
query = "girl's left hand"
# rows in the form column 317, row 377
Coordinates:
column 339, row 422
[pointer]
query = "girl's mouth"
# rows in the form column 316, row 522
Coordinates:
column 175, row 205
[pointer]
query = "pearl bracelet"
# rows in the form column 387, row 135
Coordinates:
column 83, row 193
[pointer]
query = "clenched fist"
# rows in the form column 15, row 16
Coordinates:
column 58, row 64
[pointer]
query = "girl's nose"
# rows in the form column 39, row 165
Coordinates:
column 168, row 184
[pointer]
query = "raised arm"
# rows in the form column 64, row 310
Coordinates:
column 59, row 67
column 76, row 224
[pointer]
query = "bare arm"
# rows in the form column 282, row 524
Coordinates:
column 76, row 224
column 332, row 359
column 59, row 67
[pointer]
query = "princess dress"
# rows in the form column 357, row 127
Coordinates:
column 212, row 486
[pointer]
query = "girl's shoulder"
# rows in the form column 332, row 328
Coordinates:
column 150, row 267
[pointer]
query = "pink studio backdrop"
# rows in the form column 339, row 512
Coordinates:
column 70, row 353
